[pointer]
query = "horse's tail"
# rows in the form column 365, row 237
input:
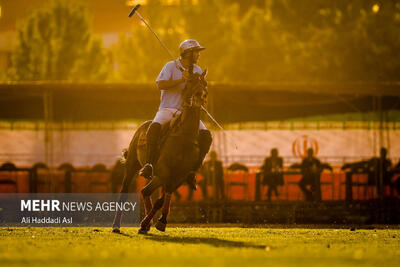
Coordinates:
column 134, row 143
column 124, row 156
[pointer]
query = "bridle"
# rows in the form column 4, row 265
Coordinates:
column 195, row 92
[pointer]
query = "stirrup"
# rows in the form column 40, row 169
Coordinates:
column 147, row 171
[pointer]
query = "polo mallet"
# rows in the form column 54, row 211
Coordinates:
column 219, row 125
column 134, row 11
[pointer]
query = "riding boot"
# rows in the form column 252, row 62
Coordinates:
column 152, row 137
column 205, row 140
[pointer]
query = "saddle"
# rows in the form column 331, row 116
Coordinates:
column 165, row 131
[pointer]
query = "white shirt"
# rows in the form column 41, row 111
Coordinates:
column 171, row 98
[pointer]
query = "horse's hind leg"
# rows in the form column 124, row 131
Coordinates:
column 132, row 167
column 148, row 205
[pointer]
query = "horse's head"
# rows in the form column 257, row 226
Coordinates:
column 195, row 92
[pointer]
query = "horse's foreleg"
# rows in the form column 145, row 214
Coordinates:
column 149, row 206
column 130, row 173
column 162, row 222
column 150, row 209
column 145, row 224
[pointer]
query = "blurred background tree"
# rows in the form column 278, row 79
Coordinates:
column 285, row 40
column 138, row 55
column 341, row 40
column 56, row 43
column 215, row 25
column 247, row 41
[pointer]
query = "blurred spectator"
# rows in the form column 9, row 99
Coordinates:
column 376, row 168
column 381, row 167
column 272, row 173
column 213, row 174
column 311, row 169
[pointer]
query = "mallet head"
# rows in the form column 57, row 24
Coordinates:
column 134, row 10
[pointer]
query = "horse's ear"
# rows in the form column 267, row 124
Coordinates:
column 204, row 74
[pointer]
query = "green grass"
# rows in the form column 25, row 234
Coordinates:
column 199, row 246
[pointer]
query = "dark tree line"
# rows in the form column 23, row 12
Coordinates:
column 247, row 41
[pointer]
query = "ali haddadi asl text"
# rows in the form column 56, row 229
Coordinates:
column 46, row 220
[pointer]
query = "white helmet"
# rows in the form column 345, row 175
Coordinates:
column 190, row 45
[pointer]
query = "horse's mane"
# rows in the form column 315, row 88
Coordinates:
column 196, row 84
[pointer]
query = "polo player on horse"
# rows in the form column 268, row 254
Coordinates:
column 171, row 81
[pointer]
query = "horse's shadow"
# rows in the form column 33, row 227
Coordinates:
column 216, row 242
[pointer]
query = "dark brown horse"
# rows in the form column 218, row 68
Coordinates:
column 178, row 154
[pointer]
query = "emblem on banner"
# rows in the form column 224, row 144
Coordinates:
column 302, row 143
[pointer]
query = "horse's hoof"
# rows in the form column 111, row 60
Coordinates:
column 160, row 226
column 116, row 230
column 143, row 231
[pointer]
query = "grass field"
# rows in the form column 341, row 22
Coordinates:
column 199, row 246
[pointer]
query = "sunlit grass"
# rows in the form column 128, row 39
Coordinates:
column 199, row 247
